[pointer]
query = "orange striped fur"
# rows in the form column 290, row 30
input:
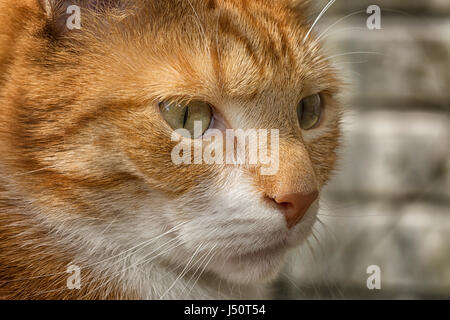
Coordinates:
column 85, row 152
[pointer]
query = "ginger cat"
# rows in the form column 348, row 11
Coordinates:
column 87, row 181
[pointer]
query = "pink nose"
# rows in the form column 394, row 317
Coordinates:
column 295, row 206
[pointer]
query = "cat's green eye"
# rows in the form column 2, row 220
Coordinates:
column 184, row 116
column 309, row 112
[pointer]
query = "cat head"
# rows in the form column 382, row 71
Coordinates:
column 93, row 110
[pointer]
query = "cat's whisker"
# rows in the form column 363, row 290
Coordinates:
column 331, row 284
column 146, row 259
column 327, row 230
column 183, row 272
column 352, row 205
column 109, row 226
column 219, row 294
column 353, row 216
column 201, row 260
column 110, row 278
column 204, row 268
column 31, row 172
column 324, row 10
column 313, row 255
column 317, row 240
column 175, row 240
column 292, row 282
column 36, row 294
column 142, row 244
column 187, row 268
column 114, row 275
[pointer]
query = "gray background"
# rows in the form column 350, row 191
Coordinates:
column 388, row 204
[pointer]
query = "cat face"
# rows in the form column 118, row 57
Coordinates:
column 86, row 117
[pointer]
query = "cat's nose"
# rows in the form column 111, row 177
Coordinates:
column 295, row 205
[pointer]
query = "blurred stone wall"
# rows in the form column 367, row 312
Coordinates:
column 389, row 203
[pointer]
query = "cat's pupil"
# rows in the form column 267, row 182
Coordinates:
column 188, row 116
column 309, row 112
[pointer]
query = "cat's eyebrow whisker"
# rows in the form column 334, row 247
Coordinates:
column 205, row 39
column 198, row 21
column 218, row 46
column 323, row 34
column 351, row 62
column 339, row 31
column 353, row 53
column 324, row 10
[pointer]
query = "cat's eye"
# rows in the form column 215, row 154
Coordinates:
column 309, row 112
column 184, row 116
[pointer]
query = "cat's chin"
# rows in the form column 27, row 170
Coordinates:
column 263, row 265
column 254, row 267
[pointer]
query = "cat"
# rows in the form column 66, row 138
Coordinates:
column 92, row 205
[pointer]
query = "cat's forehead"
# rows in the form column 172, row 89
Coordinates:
column 212, row 50
column 240, row 48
